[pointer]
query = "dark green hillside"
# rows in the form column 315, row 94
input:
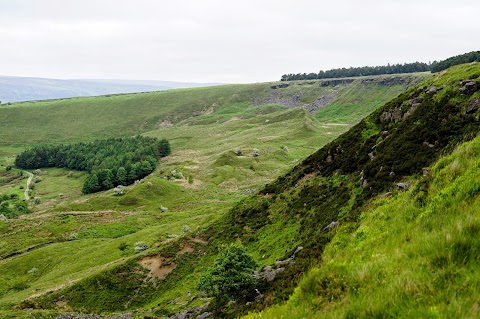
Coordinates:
column 375, row 157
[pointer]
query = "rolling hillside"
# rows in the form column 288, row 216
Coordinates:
column 18, row 89
column 71, row 241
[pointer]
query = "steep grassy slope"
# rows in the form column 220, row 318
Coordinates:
column 334, row 184
column 204, row 126
column 412, row 255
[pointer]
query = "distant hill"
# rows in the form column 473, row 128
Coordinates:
column 18, row 89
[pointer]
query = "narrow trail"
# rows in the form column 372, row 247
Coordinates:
column 29, row 180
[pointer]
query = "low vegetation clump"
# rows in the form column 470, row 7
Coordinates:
column 11, row 206
column 110, row 162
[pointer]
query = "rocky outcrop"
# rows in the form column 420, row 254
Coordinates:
column 401, row 112
column 468, row 87
column 388, row 81
column 335, row 82
column 433, row 90
column 279, row 86
column 294, row 101
column 195, row 312
column 269, row 273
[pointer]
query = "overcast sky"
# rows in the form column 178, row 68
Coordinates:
column 226, row 41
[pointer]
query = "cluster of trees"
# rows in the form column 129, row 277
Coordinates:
column 473, row 56
column 360, row 71
column 386, row 69
column 110, row 162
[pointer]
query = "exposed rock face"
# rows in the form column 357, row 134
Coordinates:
column 280, row 86
column 388, row 81
column 294, row 101
column 402, row 112
column 473, row 106
column 394, row 115
column 335, row 82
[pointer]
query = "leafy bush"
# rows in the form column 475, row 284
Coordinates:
column 231, row 276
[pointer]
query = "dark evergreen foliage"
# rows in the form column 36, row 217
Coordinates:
column 110, row 162
column 435, row 66
column 473, row 56
column 360, row 71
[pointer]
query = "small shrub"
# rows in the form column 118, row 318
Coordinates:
column 140, row 246
column 123, row 246
column 21, row 187
column 37, row 179
column 37, row 200
column 8, row 168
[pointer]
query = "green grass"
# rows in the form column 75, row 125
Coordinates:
column 208, row 124
column 414, row 255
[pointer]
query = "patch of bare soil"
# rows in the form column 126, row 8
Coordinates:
column 199, row 240
column 159, row 266
column 186, row 249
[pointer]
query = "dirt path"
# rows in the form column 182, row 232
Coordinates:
column 29, row 180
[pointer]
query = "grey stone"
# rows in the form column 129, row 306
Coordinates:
column 473, row 106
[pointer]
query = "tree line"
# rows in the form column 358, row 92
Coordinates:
column 386, row 69
column 110, row 162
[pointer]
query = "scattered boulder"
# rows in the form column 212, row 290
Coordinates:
column 433, row 90
column 402, row 186
column 425, row 143
column 473, row 106
column 331, row 226
column 2, row 217
column 270, row 272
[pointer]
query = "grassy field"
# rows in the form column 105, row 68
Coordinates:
column 206, row 127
